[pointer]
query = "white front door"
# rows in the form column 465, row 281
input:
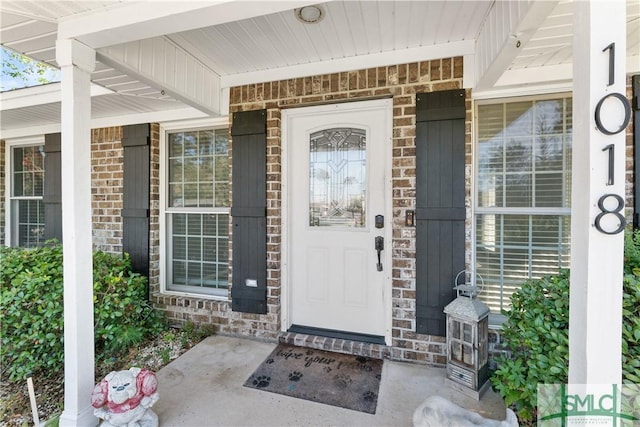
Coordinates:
column 338, row 170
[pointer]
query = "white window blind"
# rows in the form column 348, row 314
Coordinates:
column 27, row 188
column 197, row 211
column 523, row 183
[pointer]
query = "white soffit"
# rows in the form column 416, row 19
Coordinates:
column 508, row 28
column 30, row 27
column 633, row 36
column 548, row 56
column 552, row 43
column 352, row 35
column 106, row 110
column 261, row 40
column 161, row 64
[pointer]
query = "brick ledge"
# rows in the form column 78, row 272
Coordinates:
column 375, row 351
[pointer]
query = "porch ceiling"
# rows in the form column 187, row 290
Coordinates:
column 251, row 42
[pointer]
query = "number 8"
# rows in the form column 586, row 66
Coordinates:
column 616, row 212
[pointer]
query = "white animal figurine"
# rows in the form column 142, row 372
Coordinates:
column 123, row 398
column 438, row 411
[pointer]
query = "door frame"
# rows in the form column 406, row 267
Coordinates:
column 385, row 104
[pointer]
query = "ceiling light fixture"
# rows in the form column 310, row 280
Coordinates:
column 309, row 14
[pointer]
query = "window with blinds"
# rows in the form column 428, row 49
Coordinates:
column 523, row 185
column 27, row 189
column 197, row 211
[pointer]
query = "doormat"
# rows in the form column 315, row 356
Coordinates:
column 343, row 380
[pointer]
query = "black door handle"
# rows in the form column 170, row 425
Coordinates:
column 379, row 246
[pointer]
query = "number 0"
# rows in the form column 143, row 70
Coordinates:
column 627, row 114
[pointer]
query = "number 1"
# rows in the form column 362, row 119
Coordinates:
column 612, row 149
column 612, row 62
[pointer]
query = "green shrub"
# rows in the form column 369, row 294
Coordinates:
column 536, row 333
column 31, row 311
column 123, row 316
column 31, row 308
column 631, row 309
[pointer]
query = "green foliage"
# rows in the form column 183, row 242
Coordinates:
column 23, row 71
column 631, row 309
column 53, row 422
column 197, row 333
column 632, row 252
column 31, row 308
column 123, row 316
column 536, row 333
column 631, row 329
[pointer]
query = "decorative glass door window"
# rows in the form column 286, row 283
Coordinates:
column 337, row 178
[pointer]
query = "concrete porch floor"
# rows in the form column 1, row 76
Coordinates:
column 204, row 387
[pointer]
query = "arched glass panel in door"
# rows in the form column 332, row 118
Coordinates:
column 337, row 178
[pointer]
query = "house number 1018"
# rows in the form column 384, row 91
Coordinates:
column 604, row 211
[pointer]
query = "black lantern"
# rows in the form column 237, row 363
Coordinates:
column 467, row 336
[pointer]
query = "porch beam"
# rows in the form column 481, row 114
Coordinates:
column 39, row 95
column 186, row 113
column 142, row 20
column 561, row 73
column 380, row 59
column 77, row 61
column 166, row 66
column 595, row 311
column 507, row 28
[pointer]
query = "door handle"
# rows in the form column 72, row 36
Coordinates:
column 379, row 246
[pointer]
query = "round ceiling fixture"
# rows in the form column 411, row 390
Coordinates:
column 309, row 14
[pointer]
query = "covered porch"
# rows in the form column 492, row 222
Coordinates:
column 204, row 387
column 125, row 63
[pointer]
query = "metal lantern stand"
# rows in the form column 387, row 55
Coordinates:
column 467, row 339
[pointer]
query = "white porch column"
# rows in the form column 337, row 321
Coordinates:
column 76, row 62
column 596, row 258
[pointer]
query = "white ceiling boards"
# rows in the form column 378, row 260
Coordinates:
column 186, row 53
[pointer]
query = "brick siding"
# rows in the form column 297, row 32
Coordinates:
column 629, row 176
column 107, row 169
column 400, row 82
column 106, row 189
column 154, row 210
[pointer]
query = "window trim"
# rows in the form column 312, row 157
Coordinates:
column 164, row 253
column 10, row 144
column 496, row 320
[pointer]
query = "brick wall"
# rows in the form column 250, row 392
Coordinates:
column 107, row 168
column 400, row 82
column 106, row 189
column 154, row 210
column 629, row 177
column 181, row 309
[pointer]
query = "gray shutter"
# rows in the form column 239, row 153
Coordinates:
column 248, row 209
column 52, row 196
column 440, row 208
column 635, row 101
column 136, row 188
